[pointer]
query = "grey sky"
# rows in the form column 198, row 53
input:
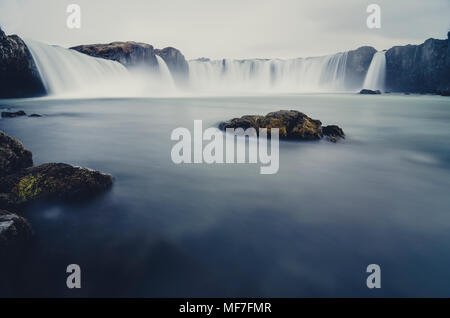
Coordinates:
column 231, row 28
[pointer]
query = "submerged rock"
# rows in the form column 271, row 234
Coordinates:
column 51, row 181
column 444, row 92
column 333, row 133
column 13, row 229
column 13, row 156
column 369, row 92
column 292, row 124
column 13, row 114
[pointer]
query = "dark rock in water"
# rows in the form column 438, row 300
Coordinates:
column 19, row 76
column 357, row 65
column 51, row 181
column 13, row 156
column 35, row 115
column 176, row 63
column 333, row 133
column 130, row 54
column 292, row 124
column 13, row 114
column 423, row 68
column 14, row 230
column 444, row 92
column 369, row 92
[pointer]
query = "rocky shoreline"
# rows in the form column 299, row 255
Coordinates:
column 22, row 184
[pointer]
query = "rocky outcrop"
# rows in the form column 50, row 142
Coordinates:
column 14, row 230
column 19, row 76
column 292, row 124
column 135, row 54
column 423, row 68
column 365, row 91
column 13, row 114
column 13, row 156
column 20, row 183
column 357, row 65
column 51, row 181
column 176, row 63
column 130, row 54
column 333, row 133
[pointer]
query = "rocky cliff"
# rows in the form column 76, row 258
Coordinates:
column 132, row 54
column 423, row 68
column 357, row 65
column 19, row 76
column 176, row 63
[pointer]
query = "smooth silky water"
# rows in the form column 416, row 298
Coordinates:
column 167, row 230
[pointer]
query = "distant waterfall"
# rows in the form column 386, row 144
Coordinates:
column 376, row 74
column 315, row 74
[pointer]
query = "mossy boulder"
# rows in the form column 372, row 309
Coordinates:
column 13, row 156
column 51, row 181
column 292, row 124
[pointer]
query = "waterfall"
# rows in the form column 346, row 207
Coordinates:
column 69, row 73
column 66, row 72
column 165, row 74
column 315, row 74
column 376, row 74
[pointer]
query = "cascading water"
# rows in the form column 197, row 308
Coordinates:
column 66, row 72
column 326, row 73
column 70, row 73
column 165, row 74
column 376, row 74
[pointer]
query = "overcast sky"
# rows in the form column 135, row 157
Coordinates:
column 231, row 28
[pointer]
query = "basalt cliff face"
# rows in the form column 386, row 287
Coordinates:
column 19, row 76
column 357, row 65
column 423, row 68
column 176, row 63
